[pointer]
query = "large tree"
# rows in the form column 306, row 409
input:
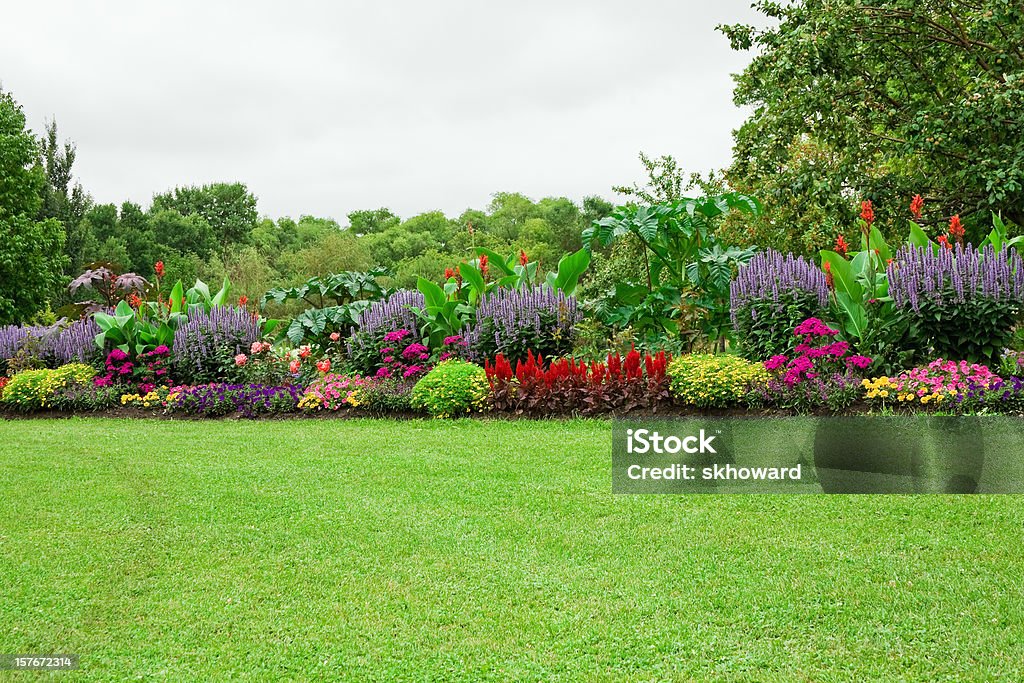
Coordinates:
column 31, row 250
column 228, row 208
column 63, row 197
column 881, row 100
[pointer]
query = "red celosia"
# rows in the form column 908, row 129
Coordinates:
column 159, row 268
column 916, row 204
column 867, row 212
column 841, row 246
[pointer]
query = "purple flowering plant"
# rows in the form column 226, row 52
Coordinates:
column 964, row 301
column 770, row 295
column 244, row 400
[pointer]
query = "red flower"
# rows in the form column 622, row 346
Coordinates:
column 916, row 204
column 324, row 365
column 243, row 300
column 829, row 280
column 159, row 268
column 522, row 258
column 956, row 229
column 449, row 273
column 841, row 246
column 867, row 212
column 134, row 301
column 944, row 242
column 483, row 265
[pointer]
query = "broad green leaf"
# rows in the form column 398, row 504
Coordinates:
column 854, row 317
column 843, row 275
column 296, row 332
column 474, row 278
column 917, row 236
column 433, row 295
column 570, row 268
column 495, row 260
column 222, row 296
column 176, row 297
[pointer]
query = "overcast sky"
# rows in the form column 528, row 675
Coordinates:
column 325, row 107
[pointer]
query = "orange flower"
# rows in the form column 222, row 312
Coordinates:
column 867, row 212
column 916, row 204
column 841, row 246
column 956, row 229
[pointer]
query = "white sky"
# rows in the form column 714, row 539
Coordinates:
column 325, row 107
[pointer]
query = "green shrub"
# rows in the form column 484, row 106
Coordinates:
column 34, row 389
column 384, row 396
column 715, row 381
column 452, row 388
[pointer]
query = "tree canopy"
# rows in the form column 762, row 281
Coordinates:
column 880, row 100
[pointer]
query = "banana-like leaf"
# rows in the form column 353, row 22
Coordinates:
column 496, row 260
column 221, row 297
column 917, row 236
column 433, row 295
column 475, row 279
column 843, row 275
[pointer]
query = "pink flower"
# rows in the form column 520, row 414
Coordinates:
column 240, row 359
column 383, row 372
column 389, row 359
column 411, row 370
column 859, row 362
column 256, row 347
column 335, row 336
column 414, row 351
column 775, row 362
column 454, row 339
column 397, row 335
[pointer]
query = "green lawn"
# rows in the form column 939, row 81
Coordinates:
column 474, row 550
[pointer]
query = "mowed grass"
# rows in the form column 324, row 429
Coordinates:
column 474, row 550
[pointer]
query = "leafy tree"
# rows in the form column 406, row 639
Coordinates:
column 63, row 200
column 32, row 256
column 881, row 100
column 175, row 232
column 334, row 252
column 228, row 208
column 367, row 222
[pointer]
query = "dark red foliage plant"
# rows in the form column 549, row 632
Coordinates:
column 567, row 385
